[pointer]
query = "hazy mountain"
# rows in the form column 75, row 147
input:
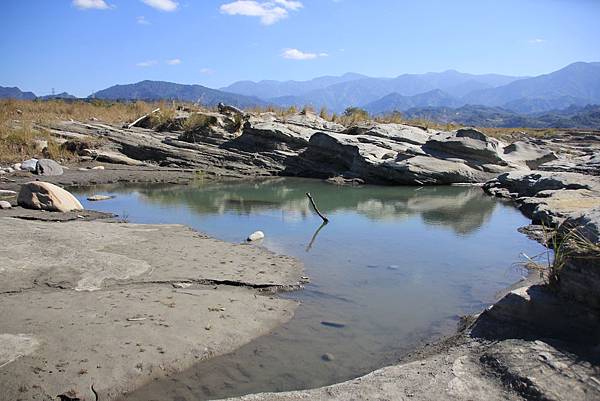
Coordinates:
column 360, row 92
column 580, row 81
column 62, row 95
column 537, row 105
column 587, row 117
column 397, row 102
column 159, row 90
column 271, row 89
column 15, row 93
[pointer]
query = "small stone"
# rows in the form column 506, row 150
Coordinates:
column 182, row 285
column 393, row 267
column 5, row 205
column 82, row 169
column 6, row 192
column 372, row 266
column 17, row 166
column 29, row 165
column 48, row 167
column 98, row 168
column 327, row 357
column 96, row 198
column 255, row 236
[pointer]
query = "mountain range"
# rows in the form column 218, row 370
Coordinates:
column 436, row 94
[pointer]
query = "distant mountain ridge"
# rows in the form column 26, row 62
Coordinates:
column 160, row 90
column 15, row 93
column 576, row 84
column 484, row 99
column 587, row 117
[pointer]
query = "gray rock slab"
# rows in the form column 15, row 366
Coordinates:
column 87, row 256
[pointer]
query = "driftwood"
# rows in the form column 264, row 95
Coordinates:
column 312, row 202
column 142, row 118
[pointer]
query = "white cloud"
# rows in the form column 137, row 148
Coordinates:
column 269, row 12
column 295, row 54
column 537, row 40
column 91, row 4
column 207, row 71
column 148, row 63
column 162, row 5
column 174, row 61
column 290, row 4
column 142, row 20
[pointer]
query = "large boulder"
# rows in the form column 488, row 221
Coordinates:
column 45, row 196
column 377, row 159
column 48, row 167
column 393, row 132
column 527, row 154
column 467, row 144
column 267, row 132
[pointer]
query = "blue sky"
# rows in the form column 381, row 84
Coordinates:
column 84, row 45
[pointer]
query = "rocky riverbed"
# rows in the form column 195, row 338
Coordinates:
column 82, row 293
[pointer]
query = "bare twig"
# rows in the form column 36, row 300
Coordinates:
column 142, row 118
column 312, row 202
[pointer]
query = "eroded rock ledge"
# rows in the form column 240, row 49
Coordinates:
column 114, row 305
column 305, row 145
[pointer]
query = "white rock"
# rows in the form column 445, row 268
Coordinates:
column 9, row 169
column 95, row 198
column 46, row 196
column 98, row 168
column 5, row 205
column 17, row 166
column 29, row 165
column 6, row 192
column 255, row 236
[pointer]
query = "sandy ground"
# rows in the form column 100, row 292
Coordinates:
column 115, row 305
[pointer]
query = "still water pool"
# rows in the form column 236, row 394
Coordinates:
column 397, row 266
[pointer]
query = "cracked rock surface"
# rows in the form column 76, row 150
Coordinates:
column 115, row 305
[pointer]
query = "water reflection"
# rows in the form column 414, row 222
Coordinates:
column 397, row 265
column 463, row 209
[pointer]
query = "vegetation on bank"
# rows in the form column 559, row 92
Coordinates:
column 564, row 244
column 24, row 123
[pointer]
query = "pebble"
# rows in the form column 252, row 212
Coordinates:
column 255, row 236
column 6, row 192
column 5, row 205
column 327, row 357
column 393, row 267
column 98, row 168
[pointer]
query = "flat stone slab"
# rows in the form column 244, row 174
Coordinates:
column 87, row 256
column 56, row 342
column 114, row 305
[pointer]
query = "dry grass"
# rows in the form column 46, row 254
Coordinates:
column 21, row 121
column 564, row 244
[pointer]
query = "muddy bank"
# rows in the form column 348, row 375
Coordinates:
column 114, row 305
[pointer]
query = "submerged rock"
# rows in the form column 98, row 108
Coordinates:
column 46, row 196
column 96, row 198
